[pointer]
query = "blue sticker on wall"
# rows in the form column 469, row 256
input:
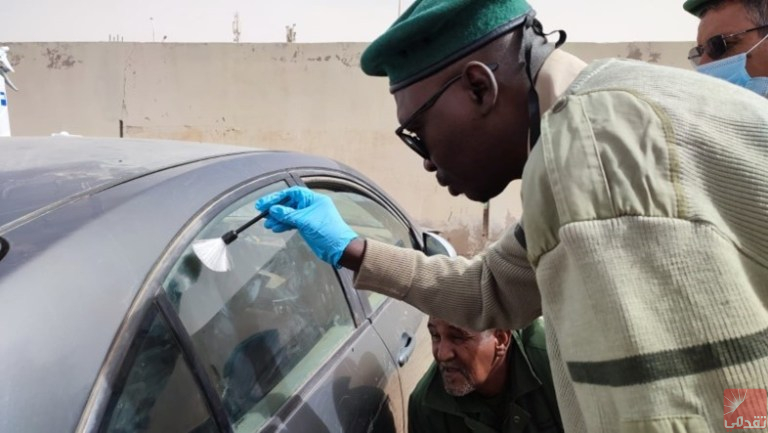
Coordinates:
column 3, row 100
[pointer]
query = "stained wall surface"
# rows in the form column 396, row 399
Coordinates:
column 305, row 97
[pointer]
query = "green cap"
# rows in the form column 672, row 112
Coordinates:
column 695, row 6
column 432, row 34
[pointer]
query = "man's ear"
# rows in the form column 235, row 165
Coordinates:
column 503, row 340
column 479, row 78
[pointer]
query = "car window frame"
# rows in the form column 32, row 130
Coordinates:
column 317, row 178
column 365, row 187
column 161, row 308
column 151, row 293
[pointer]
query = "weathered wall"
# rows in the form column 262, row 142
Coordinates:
column 305, row 97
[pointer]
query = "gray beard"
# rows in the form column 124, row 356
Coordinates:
column 461, row 390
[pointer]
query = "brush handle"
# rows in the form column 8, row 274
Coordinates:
column 253, row 221
column 231, row 235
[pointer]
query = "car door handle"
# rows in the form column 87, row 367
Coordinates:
column 406, row 349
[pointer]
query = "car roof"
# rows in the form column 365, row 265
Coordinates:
column 45, row 171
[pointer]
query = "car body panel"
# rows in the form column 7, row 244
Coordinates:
column 402, row 328
column 360, row 380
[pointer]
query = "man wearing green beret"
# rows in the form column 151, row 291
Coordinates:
column 732, row 41
column 644, row 240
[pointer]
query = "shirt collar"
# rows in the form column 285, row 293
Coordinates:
column 555, row 76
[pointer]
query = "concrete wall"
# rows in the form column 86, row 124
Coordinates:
column 305, row 97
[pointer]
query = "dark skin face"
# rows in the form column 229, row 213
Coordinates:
column 476, row 133
column 470, row 361
column 729, row 18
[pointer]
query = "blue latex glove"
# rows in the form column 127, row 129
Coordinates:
column 313, row 215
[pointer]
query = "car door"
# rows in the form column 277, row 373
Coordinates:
column 275, row 344
column 402, row 327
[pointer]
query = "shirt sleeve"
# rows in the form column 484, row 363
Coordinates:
column 495, row 289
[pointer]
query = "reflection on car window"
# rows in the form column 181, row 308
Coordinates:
column 263, row 328
column 370, row 220
column 159, row 393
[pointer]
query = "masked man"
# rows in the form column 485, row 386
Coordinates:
column 732, row 41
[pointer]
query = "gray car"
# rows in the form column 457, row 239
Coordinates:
column 109, row 322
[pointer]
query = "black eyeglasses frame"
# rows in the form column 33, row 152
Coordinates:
column 716, row 46
column 413, row 141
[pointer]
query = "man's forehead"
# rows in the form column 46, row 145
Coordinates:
column 731, row 17
column 409, row 99
column 435, row 323
column 406, row 101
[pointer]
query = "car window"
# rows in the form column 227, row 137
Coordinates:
column 265, row 327
column 370, row 220
column 159, row 393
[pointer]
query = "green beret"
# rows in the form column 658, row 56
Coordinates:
column 432, row 34
column 695, row 6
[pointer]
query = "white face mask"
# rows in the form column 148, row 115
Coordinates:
column 734, row 70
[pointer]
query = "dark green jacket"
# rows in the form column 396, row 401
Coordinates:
column 528, row 406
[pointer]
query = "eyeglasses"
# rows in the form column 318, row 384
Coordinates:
column 716, row 46
column 410, row 138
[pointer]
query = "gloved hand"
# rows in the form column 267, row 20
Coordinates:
column 313, row 215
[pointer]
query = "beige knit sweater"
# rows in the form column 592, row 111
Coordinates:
column 646, row 219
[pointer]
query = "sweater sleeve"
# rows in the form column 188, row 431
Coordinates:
column 495, row 289
column 654, row 309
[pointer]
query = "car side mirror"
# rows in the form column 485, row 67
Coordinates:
column 435, row 244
